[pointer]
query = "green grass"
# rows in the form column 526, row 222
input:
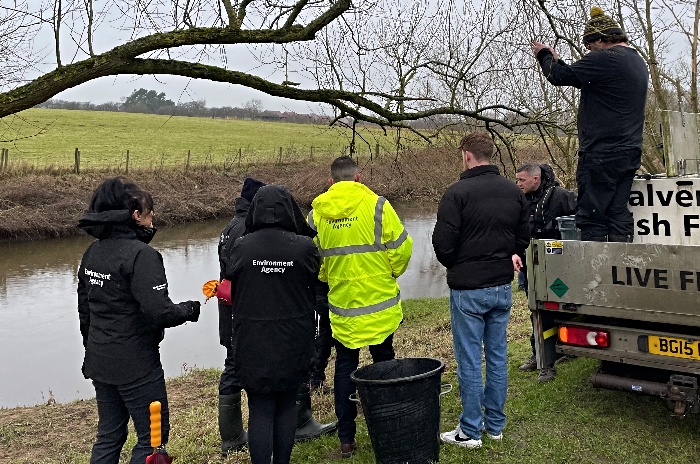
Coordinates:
column 564, row 421
column 43, row 137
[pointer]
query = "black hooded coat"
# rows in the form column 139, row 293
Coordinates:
column 273, row 272
column 547, row 203
column 123, row 302
column 234, row 230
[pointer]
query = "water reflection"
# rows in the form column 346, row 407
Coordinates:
column 40, row 342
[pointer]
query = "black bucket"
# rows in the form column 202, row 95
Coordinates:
column 401, row 403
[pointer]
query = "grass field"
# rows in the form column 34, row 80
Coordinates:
column 564, row 421
column 44, row 137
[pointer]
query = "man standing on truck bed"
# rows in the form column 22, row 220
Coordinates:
column 613, row 79
column 547, row 201
column 482, row 227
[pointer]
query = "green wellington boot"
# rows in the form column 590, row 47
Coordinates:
column 233, row 436
column 307, row 427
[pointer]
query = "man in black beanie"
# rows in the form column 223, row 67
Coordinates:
column 233, row 436
column 613, row 79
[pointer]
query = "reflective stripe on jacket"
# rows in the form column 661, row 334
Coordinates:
column 364, row 248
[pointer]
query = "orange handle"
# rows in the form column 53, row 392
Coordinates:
column 154, row 408
column 209, row 288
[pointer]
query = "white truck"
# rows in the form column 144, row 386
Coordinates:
column 634, row 306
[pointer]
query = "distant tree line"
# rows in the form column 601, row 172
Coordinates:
column 152, row 102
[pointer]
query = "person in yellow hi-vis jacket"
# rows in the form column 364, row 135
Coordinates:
column 364, row 248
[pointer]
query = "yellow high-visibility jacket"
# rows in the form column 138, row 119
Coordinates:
column 364, row 248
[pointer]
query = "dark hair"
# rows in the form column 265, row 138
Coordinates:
column 343, row 168
column 479, row 144
column 119, row 193
column 533, row 169
column 615, row 38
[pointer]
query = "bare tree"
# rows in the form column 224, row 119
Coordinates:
column 178, row 37
column 652, row 34
column 381, row 61
column 254, row 106
column 444, row 63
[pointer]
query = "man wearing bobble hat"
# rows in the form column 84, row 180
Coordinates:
column 613, row 79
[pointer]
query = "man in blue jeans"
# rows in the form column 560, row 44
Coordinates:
column 482, row 226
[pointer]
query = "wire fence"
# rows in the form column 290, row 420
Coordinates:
column 227, row 160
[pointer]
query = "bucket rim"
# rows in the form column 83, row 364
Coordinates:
column 439, row 369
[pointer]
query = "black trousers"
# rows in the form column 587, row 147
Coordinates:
column 115, row 404
column 604, row 184
column 272, row 421
column 230, row 383
column 346, row 362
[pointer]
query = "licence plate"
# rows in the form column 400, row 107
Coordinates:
column 674, row 347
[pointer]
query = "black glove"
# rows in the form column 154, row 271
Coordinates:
column 193, row 310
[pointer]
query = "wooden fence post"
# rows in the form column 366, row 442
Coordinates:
column 4, row 159
column 311, row 156
column 187, row 166
column 376, row 152
column 240, row 154
column 280, row 160
column 127, row 163
column 77, row 161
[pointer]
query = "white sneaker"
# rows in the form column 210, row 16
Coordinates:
column 456, row 437
column 495, row 437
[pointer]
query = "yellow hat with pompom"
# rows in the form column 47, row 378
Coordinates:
column 600, row 25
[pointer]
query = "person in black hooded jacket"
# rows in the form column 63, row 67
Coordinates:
column 273, row 274
column 124, row 307
column 233, row 435
column 547, row 201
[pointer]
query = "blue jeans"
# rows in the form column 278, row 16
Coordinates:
column 115, row 404
column 481, row 316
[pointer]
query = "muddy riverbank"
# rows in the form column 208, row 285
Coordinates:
column 35, row 205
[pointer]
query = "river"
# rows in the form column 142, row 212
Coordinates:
column 41, row 350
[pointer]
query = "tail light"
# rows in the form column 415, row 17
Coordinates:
column 584, row 336
column 551, row 305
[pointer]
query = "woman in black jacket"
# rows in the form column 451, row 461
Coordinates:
column 273, row 275
column 123, row 306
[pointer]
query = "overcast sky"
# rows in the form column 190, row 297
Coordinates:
column 111, row 30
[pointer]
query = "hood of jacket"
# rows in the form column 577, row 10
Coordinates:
column 547, row 181
column 548, row 177
column 274, row 206
column 341, row 199
column 241, row 207
column 107, row 224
